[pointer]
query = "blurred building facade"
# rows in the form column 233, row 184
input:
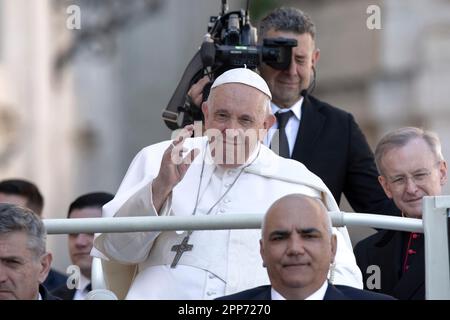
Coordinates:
column 77, row 105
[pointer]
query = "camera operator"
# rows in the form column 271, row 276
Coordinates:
column 327, row 140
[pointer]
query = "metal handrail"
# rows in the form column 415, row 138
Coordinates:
column 435, row 214
column 215, row 222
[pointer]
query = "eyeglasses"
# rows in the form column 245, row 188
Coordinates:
column 419, row 178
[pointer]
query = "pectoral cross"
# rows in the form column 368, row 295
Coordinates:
column 180, row 249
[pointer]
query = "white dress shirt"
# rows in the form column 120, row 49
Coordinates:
column 292, row 126
column 317, row 295
column 81, row 293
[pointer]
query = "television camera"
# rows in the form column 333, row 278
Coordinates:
column 231, row 42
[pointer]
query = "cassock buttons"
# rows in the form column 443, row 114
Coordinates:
column 411, row 251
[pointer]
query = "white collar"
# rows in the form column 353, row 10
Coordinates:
column 83, row 283
column 295, row 108
column 275, row 295
column 81, row 293
column 317, row 295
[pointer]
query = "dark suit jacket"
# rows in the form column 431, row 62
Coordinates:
column 67, row 294
column 64, row 293
column 332, row 293
column 54, row 280
column 45, row 294
column 385, row 249
column 331, row 144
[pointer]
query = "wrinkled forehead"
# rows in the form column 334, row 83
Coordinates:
column 301, row 216
column 14, row 243
column 413, row 156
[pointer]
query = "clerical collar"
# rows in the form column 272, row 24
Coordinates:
column 296, row 108
column 317, row 295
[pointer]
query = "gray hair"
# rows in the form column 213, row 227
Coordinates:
column 287, row 19
column 328, row 221
column 400, row 137
column 18, row 219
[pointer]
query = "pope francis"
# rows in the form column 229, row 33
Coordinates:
column 225, row 171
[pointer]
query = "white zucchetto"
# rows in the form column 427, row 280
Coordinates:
column 244, row 76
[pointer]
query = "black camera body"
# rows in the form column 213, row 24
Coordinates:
column 231, row 42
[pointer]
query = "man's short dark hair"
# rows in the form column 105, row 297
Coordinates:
column 26, row 189
column 287, row 19
column 90, row 200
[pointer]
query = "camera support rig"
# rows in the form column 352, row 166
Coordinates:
column 231, row 42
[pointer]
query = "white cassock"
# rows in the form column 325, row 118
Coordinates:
column 221, row 262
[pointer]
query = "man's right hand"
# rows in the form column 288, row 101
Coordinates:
column 173, row 167
column 196, row 91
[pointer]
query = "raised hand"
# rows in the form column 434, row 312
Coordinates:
column 173, row 167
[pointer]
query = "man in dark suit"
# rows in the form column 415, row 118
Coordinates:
column 80, row 244
column 298, row 247
column 26, row 194
column 46, row 295
column 411, row 165
column 327, row 140
column 24, row 262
